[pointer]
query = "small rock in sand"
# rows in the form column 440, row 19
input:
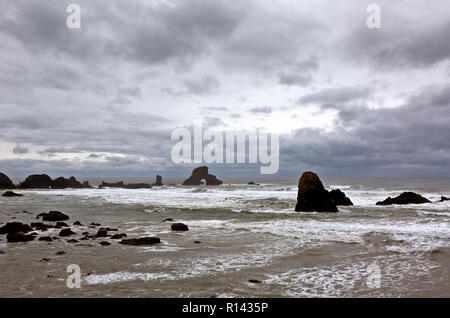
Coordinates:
column 180, row 227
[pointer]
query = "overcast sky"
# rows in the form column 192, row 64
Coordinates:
column 347, row 101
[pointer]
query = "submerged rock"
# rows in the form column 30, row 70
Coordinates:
column 18, row 237
column 14, row 227
column 405, row 198
column 339, row 198
column 179, row 227
column 120, row 184
column 54, row 216
column 199, row 174
column 11, row 194
column 444, row 199
column 141, row 241
column 118, row 236
column 5, row 182
column 312, row 196
column 252, row 183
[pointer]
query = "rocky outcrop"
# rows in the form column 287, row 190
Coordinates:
column 312, row 196
column 251, row 183
column 120, row 184
column 11, row 194
column 72, row 182
column 199, row 174
column 444, row 199
column 54, row 216
column 180, row 227
column 405, row 198
column 5, row 182
column 339, row 198
column 18, row 237
column 141, row 241
column 37, row 181
column 14, row 227
column 158, row 182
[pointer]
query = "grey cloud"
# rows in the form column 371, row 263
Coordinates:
column 20, row 150
column 332, row 96
column 299, row 73
column 261, row 110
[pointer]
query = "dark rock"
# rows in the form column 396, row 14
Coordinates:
column 18, row 237
column 118, row 236
column 1, row 252
column 339, row 198
column 54, row 216
column 11, row 194
column 45, row 259
column 102, row 233
column 61, row 224
column 168, row 220
column 85, row 233
column 72, row 182
column 199, row 174
column 254, row 281
column 13, row 227
column 444, row 199
column 5, row 182
column 95, row 224
column 104, row 243
column 405, row 198
column 197, row 242
column 66, row 232
column 158, row 182
column 78, row 223
column 72, row 241
column 312, row 196
column 120, row 184
column 37, row 181
column 251, row 183
column 141, row 241
column 107, row 229
column 60, row 253
column 179, row 227
column 46, row 239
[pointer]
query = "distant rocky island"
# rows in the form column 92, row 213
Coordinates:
column 311, row 196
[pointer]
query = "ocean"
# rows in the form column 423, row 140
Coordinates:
column 238, row 232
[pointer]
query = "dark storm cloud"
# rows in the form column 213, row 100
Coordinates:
column 86, row 91
column 405, row 40
column 410, row 140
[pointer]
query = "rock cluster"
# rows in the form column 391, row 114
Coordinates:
column 312, row 196
column 405, row 198
column 199, row 174
column 43, row 181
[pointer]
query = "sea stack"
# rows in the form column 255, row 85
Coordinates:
column 199, row 174
column 158, row 182
column 5, row 182
column 339, row 198
column 312, row 196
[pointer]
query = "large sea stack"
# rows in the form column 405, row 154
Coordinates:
column 312, row 196
column 199, row 174
column 5, row 182
column 405, row 198
column 158, row 182
column 37, row 181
